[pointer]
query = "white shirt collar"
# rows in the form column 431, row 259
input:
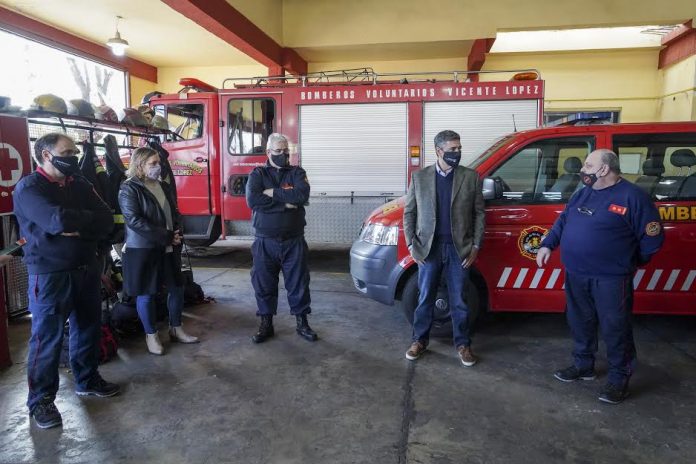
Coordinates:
column 440, row 171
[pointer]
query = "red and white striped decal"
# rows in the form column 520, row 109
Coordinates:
column 657, row 280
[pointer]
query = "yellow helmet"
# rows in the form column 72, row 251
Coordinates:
column 50, row 102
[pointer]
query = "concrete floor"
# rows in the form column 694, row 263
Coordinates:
column 352, row 397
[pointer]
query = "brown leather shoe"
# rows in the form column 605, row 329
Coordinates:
column 467, row 356
column 415, row 351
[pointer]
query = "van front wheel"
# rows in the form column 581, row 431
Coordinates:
column 442, row 320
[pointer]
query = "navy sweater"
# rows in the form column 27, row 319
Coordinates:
column 443, row 226
column 271, row 216
column 45, row 209
column 607, row 232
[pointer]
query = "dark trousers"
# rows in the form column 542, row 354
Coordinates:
column 607, row 303
column 53, row 299
column 442, row 258
column 270, row 257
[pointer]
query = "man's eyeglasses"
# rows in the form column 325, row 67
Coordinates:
column 585, row 210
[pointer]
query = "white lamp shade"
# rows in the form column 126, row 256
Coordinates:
column 117, row 44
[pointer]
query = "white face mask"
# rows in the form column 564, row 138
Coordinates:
column 154, row 172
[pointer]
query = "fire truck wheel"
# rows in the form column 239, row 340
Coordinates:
column 442, row 322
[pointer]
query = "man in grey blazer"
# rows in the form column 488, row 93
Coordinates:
column 444, row 219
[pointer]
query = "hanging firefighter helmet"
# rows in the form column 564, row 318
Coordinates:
column 80, row 107
column 106, row 113
column 49, row 102
column 133, row 117
column 147, row 113
column 148, row 96
column 160, row 122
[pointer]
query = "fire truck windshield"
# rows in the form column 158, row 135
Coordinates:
column 492, row 149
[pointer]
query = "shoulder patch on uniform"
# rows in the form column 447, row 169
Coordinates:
column 653, row 229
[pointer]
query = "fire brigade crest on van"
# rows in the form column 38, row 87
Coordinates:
column 529, row 241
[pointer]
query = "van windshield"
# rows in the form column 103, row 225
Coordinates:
column 492, row 149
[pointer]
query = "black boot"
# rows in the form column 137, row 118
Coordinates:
column 304, row 330
column 265, row 330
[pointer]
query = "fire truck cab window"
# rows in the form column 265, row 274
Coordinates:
column 185, row 120
column 250, row 122
column 545, row 171
column 664, row 165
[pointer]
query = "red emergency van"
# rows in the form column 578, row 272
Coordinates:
column 359, row 135
column 528, row 177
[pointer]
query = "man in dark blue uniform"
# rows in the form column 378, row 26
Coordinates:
column 606, row 230
column 62, row 218
column 276, row 193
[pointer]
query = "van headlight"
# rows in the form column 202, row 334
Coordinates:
column 379, row 234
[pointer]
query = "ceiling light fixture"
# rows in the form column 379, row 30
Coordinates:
column 117, row 44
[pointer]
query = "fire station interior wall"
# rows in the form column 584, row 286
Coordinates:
column 337, row 163
column 139, row 87
column 213, row 75
column 478, row 122
column 678, row 88
column 396, row 66
column 624, row 80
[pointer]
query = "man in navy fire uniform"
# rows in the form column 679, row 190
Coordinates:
column 62, row 218
column 606, row 231
column 277, row 193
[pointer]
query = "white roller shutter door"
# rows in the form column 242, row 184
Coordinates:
column 360, row 148
column 479, row 123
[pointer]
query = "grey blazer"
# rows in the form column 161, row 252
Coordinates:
column 467, row 211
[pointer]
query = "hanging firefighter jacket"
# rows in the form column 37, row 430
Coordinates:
column 92, row 169
column 115, row 170
column 167, row 173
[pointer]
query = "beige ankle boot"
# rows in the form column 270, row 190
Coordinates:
column 177, row 334
column 154, row 345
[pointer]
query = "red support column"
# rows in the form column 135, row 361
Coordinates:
column 678, row 45
column 226, row 22
column 477, row 56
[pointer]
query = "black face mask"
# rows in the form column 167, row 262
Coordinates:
column 452, row 158
column 66, row 165
column 282, row 160
column 589, row 179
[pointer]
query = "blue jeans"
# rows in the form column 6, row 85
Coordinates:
column 53, row 299
column 605, row 303
column 145, row 304
column 443, row 257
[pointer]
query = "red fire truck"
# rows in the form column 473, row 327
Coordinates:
column 358, row 135
column 527, row 179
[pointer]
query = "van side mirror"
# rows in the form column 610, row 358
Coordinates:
column 492, row 188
